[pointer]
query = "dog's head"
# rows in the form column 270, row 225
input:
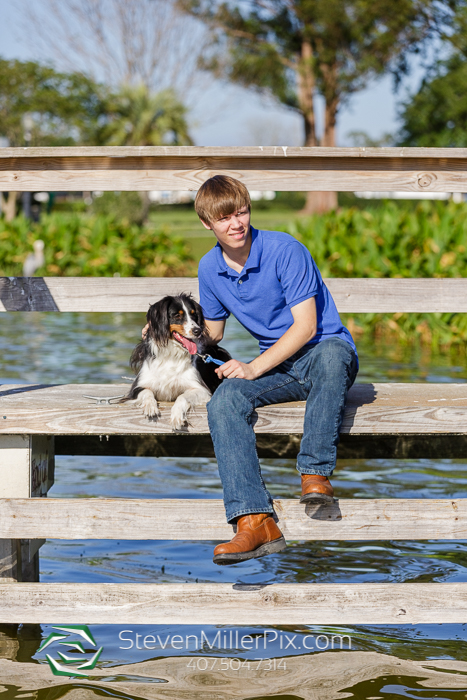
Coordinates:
column 179, row 319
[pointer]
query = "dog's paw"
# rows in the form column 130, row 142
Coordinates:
column 151, row 410
column 149, row 405
column 178, row 414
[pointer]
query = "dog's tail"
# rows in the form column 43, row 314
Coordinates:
column 132, row 394
column 137, row 358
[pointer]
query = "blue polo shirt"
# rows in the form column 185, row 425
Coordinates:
column 278, row 274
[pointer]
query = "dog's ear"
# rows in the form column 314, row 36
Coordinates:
column 158, row 319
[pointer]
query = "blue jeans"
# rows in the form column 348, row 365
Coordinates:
column 319, row 374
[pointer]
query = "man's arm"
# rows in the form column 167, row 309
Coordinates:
column 300, row 332
column 216, row 330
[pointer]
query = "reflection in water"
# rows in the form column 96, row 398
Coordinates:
column 325, row 676
column 387, row 661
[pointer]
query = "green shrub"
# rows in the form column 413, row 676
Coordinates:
column 124, row 206
column 93, row 246
column 428, row 240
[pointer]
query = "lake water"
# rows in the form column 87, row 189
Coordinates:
column 381, row 661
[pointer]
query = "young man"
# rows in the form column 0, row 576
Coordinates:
column 270, row 283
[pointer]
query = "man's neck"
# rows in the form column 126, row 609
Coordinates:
column 236, row 258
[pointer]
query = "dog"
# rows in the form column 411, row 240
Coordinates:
column 168, row 362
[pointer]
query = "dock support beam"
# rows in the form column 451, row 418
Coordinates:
column 26, row 471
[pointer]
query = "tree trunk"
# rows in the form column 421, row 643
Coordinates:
column 306, row 86
column 316, row 202
column 321, row 202
column 9, row 205
column 145, row 204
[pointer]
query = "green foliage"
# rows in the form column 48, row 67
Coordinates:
column 93, row 246
column 436, row 115
column 69, row 108
column 124, row 206
column 429, row 240
column 65, row 107
column 137, row 117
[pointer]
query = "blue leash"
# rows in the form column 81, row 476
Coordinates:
column 208, row 358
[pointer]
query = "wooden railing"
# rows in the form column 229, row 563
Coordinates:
column 393, row 420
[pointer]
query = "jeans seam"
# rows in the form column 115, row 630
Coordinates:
column 289, row 380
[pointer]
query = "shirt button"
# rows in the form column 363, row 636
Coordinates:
column 240, row 281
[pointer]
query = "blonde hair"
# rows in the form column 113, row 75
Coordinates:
column 220, row 196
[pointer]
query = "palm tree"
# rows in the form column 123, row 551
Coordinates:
column 137, row 117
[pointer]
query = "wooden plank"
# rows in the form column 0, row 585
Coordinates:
column 105, row 294
column 232, row 151
column 421, row 409
column 89, row 294
column 195, row 519
column 280, row 168
column 191, row 178
column 234, row 604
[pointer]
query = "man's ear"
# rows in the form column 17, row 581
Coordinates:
column 206, row 225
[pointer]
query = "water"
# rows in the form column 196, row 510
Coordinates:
column 381, row 661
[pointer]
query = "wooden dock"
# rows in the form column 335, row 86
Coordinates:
column 389, row 419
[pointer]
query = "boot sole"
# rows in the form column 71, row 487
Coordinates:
column 317, row 498
column 268, row 548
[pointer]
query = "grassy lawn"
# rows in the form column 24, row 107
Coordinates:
column 185, row 223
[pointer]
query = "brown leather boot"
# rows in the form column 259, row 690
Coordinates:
column 257, row 535
column 316, row 489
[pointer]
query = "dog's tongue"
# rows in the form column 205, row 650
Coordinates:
column 187, row 343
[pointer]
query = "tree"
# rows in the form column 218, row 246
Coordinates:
column 295, row 49
column 135, row 117
column 64, row 109
column 119, row 42
column 437, row 114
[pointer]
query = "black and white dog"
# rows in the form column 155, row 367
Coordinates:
column 166, row 361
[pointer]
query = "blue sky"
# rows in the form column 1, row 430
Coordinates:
column 232, row 116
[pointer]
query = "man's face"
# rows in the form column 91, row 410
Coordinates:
column 232, row 231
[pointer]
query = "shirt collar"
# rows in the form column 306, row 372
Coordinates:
column 253, row 259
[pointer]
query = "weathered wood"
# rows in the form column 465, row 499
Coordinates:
column 15, row 465
column 10, row 560
column 421, row 409
column 281, row 168
column 53, row 152
column 26, row 470
column 194, row 519
column 357, row 295
column 237, row 604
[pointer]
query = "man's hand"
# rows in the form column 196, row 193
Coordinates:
column 144, row 332
column 234, row 369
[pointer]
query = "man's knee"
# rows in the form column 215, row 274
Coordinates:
column 335, row 359
column 230, row 396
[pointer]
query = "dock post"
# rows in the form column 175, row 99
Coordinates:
column 26, row 471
